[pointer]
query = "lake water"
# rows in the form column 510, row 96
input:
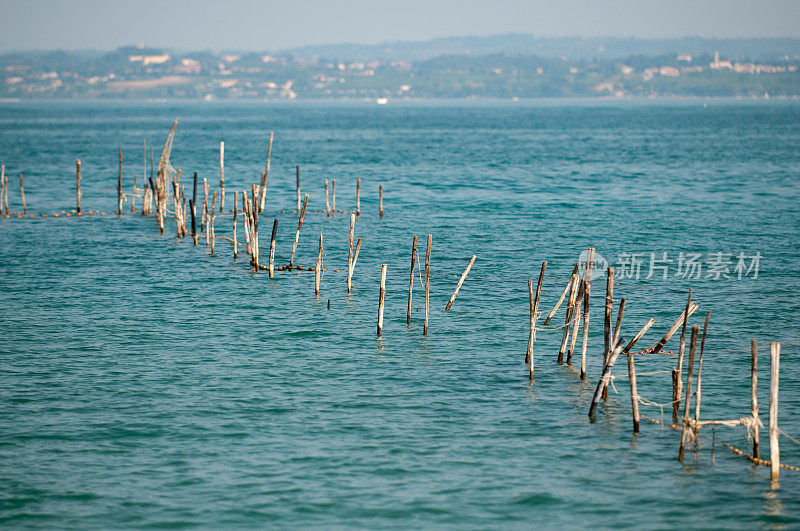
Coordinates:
column 146, row 382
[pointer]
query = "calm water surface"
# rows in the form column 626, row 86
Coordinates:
column 146, row 382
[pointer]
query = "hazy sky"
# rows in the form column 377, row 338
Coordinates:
column 269, row 25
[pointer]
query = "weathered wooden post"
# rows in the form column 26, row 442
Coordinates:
column 272, row 248
column 607, row 321
column 194, row 222
column 221, row 176
column 327, row 202
column 634, row 393
column 697, row 394
column 380, row 200
column 358, row 196
column 561, row 298
column 460, row 281
column 78, row 185
column 774, row 432
column 264, row 177
column 213, row 216
column 605, row 377
column 534, row 309
column 586, row 296
column 22, row 194
column 119, row 185
column 3, row 189
column 677, row 372
column 427, row 284
column 318, row 268
column 573, row 294
column 350, row 252
column 687, row 400
column 576, row 322
column 411, row 278
column 381, row 300
column 235, row 215
column 297, row 234
column 753, row 394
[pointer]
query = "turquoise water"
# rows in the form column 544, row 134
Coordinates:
column 146, row 382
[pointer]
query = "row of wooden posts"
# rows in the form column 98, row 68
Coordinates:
column 577, row 292
column 579, row 287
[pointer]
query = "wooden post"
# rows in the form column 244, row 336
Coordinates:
column 634, row 393
column 318, row 268
column 333, row 193
column 460, row 281
column 380, row 200
column 78, row 185
column 753, row 394
column 586, row 296
column 620, row 311
column 427, row 284
column 222, row 176
column 677, row 372
column 265, row 176
column 22, row 193
column 350, row 252
column 534, row 309
column 205, row 204
column 411, row 278
column 213, row 215
column 194, row 206
column 576, row 322
column 697, row 394
column 194, row 222
column 561, row 298
column 119, row 185
column 605, row 377
column 381, row 300
column 574, row 281
column 358, row 196
column 235, row 214
column 297, row 234
column 272, row 248
column 607, row 322
column 687, row 400
column 298, row 189
column 355, row 253
column 774, row 432
column 327, row 203
column 674, row 328
column 253, row 208
column 3, row 189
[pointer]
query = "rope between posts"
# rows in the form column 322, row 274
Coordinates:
column 788, row 436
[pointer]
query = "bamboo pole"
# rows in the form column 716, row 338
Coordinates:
column 298, row 189
column 350, row 252
column 119, row 185
column 78, row 184
column 381, row 299
column 634, row 393
column 534, row 311
column 460, row 281
column 380, row 200
column 318, row 268
column 697, row 394
column 358, row 196
column 677, row 372
column 574, row 281
column 222, row 176
column 333, row 193
column 272, row 248
column 427, row 283
column 327, row 202
column 235, row 214
column 22, row 194
column 586, row 298
column 687, row 400
column 774, row 374
column 605, row 377
column 411, row 278
column 561, row 298
column 297, row 234
column 265, row 176
column 753, row 393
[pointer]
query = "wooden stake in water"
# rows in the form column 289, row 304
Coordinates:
column 235, row 214
column 380, row 200
column 634, row 393
column 265, row 176
column 297, row 234
column 561, row 298
column 411, row 278
column 272, row 248
column 22, row 194
column 620, row 312
column 222, row 176
column 460, row 281
column 298, row 189
column 606, row 377
column 687, row 400
column 350, row 252
column 358, row 196
column 78, row 185
column 534, row 310
column 576, row 322
column 607, row 321
column 213, row 217
column 327, row 202
column 697, row 394
column 119, row 185
column 318, row 268
column 427, row 284
column 333, row 193
column 677, row 372
column 3, row 189
column 586, row 297
column 381, row 300
column 205, row 204
column 194, row 222
column 573, row 284
column 753, row 393
column 774, row 432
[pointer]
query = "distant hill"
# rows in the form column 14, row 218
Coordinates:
column 570, row 47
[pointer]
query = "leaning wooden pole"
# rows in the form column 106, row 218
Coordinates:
column 609, row 310
column 573, row 295
column 411, row 279
column 350, row 252
column 534, row 311
column 774, row 431
column 272, row 248
column 685, row 429
column 119, row 185
column 265, row 177
column 754, row 394
column 586, row 296
column 460, row 282
column 677, row 372
column 561, row 298
column 381, row 300
column 698, row 392
column 427, row 284
column 605, row 377
column 297, row 233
